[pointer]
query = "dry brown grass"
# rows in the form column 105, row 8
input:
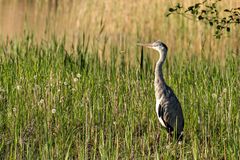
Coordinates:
column 123, row 23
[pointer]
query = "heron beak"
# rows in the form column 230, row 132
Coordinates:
column 148, row 45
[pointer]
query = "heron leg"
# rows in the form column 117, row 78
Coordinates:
column 158, row 137
column 180, row 137
column 170, row 136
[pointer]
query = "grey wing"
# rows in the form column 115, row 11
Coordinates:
column 172, row 111
column 162, row 116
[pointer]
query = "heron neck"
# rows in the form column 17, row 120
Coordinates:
column 158, row 72
column 159, row 83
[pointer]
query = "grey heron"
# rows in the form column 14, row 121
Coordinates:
column 168, row 107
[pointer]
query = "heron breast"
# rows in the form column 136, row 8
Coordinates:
column 157, row 110
column 162, row 122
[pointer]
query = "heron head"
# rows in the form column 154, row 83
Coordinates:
column 158, row 45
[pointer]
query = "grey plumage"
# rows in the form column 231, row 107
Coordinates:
column 168, row 107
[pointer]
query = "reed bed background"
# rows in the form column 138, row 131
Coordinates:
column 74, row 85
column 115, row 23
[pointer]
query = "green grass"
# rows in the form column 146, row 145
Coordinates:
column 58, row 104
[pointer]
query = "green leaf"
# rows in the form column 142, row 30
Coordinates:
column 228, row 29
column 168, row 14
column 178, row 6
column 227, row 10
column 223, row 20
column 171, row 10
column 197, row 5
column 204, row 11
column 218, row 36
column 190, row 8
column 219, row 26
column 200, row 17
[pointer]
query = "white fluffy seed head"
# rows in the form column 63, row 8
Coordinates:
column 53, row 110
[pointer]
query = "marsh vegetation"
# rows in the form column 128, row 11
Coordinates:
column 81, row 89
